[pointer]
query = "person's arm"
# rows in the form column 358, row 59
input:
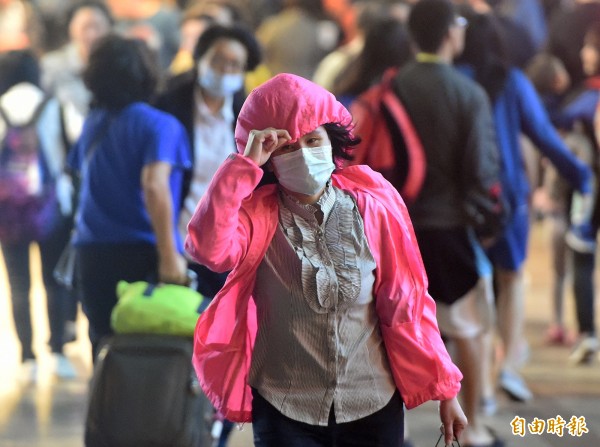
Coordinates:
column 483, row 202
column 453, row 419
column 219, row 231
column 481, row 159
column 537, row 126
column 172, row 265
column 580, row 109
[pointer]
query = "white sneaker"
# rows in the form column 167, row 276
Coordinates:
column 63, row 368
column 28, row 372
column 514, row 385
column 584, row 351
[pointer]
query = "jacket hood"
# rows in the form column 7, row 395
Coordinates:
column 288, row 102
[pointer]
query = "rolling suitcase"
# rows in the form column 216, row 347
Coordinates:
column 144, row 393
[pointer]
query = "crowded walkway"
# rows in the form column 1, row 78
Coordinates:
column 51, row 413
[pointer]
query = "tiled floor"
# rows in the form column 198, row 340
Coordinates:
column 51, row 413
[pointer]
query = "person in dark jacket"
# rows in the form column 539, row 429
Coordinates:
column 452, row 116
column 206, row 100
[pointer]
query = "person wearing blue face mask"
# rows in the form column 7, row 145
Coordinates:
column 207, row 100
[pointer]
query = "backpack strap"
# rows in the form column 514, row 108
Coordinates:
column 63, row 129
column 38, row 111
column 5, row 117
column 414, row 147
column 390, row 143
column 34, row 117
column 96, row 139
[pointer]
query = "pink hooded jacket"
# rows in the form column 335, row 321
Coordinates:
column 234, row 225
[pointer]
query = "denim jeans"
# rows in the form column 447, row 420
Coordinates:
column 384, row 428
column 17, row 260
column 209, row 282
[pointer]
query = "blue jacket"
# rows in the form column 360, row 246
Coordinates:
column 581, row 108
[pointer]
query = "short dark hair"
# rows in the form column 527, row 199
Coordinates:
column 120, row 71
column 18, row 66
column 235, row 32
column 429, row 22
column 342, row 140
column 95, row 4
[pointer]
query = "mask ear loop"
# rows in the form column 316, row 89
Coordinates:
column 440, row 438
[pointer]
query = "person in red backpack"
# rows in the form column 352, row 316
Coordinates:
column 386, row 46
column 390, row 144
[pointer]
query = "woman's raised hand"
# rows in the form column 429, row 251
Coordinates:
column 262, row 143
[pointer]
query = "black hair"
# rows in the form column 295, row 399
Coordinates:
column 342, row 140
column 101, row 7
column 237, row 33
column 485, row 51
column 120, row 71
column 18, row 66
column 429, row 22
column 386, row 45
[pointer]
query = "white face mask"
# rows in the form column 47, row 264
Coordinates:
column 305, row 171
column 220, row 85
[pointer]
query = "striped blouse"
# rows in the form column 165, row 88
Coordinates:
column 318, row 344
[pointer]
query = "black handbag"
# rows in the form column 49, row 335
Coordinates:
column 441, row 439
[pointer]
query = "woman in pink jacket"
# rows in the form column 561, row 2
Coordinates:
column 324, row 327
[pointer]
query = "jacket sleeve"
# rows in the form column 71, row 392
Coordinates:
column 482, row 199
column 537, row 126
column 219, row 231
column 420, row 363
column 580, row 109
column 480, row 166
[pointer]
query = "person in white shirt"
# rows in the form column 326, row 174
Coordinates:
column 206, row 100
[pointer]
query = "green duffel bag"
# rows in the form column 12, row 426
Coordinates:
column 145, row 308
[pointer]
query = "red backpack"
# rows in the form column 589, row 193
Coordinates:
column 390, row 144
